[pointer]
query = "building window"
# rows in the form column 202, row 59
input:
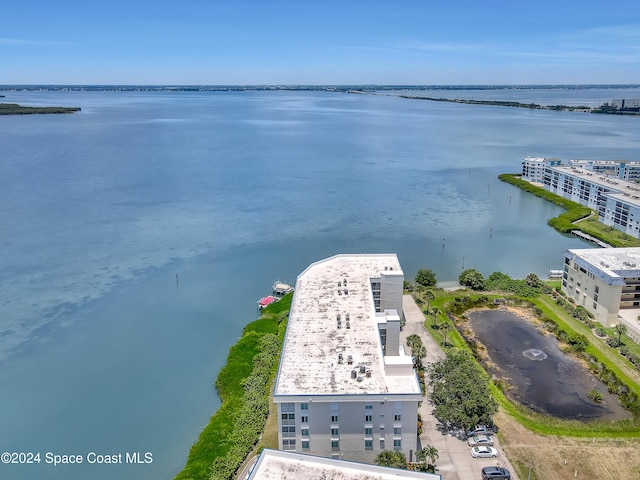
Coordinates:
column 288, row 407
column 397, row 430
column 335, row 432
column 304, row 406
column 368, row 407
column 595, row 306
column 305, row 444
column 368, row 431
column 304, row 432
column 397, row 417
column 368, row 418
column 335, row 445
column 289, row 444
column 289, row 431
column 368, row 444
column 382, row 444
column 288, row 419
column 304, row 418
column 397, row 444
column 597, row 289
column 334, row 418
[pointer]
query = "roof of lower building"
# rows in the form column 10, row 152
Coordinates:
column 611, row 265
column 280, row 465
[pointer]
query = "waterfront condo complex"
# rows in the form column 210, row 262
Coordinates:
column 614, row 199
column 345, row 387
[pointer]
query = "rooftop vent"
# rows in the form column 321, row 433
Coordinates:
column 339, row 284
column 340, row 359
column 360, row 379
column 354, row 374
column 348, row 324
column 350, row 359
column 363, row 369
column 368, row 373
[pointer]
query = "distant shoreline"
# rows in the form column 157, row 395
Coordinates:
column 15, row 109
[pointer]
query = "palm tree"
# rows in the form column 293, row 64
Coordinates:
column 620, row 329
column 429, row 295
column 429, row 453
column 435, row 312
column 446, row 326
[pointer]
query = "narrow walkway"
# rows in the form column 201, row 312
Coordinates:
column 454, row 461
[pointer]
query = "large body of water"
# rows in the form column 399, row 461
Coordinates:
column 101, row 350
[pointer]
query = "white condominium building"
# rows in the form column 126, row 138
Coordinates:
column 533, row 168
column 345, row 387
column 616, row 201
column 605, row 281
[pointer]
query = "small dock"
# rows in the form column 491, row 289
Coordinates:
column 589, row 238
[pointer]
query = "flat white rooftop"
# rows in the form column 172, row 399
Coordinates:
column 310, row 358
column 629, row 191
column 612, row 265
column 280, row 465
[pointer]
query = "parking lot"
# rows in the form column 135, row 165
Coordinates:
column 454, row 460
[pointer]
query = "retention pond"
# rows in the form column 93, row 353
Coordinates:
column 539, row 374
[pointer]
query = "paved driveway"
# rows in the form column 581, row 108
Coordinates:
column 454, row 461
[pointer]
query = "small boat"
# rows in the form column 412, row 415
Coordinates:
column 280, row 288
column 265, row 301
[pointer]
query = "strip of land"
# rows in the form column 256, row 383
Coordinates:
column 533, row 106
column 15, row 109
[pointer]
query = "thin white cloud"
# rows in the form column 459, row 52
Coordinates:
column 417, row 45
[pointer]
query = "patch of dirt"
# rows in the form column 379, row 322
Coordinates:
column 567, row 458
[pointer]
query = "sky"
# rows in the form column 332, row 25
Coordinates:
column 324, row 42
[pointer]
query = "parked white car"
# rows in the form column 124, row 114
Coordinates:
column 484, row 452
column 480, row 440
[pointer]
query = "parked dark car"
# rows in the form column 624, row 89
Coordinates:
column 499, row 473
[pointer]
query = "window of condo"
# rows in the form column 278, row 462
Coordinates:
column 335, row 432
column 289, row 444
column 288, row 431
column 397, row 417
column 304, row 406
column 288, row 407
column 305, row 444
column 304, row 418
column 397, row 430
column 335, row 445
column 304, row 432
column 368, row 407
column 368, row 430
column 288, row 419
column 368, row 444
column 334, row 418
column 368, row 418
column 397, row 444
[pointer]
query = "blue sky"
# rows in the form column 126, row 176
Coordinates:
column 216, row 42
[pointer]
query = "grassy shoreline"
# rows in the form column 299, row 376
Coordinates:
column 577, row 217
column 244, row 386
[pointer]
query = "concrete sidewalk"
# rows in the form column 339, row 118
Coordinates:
column 454, row 461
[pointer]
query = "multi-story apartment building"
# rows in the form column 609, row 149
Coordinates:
column 624, row 169
column 533, row 168
column 345, row 387
column 299, row 466
column 605, row 281
column 616, row 201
